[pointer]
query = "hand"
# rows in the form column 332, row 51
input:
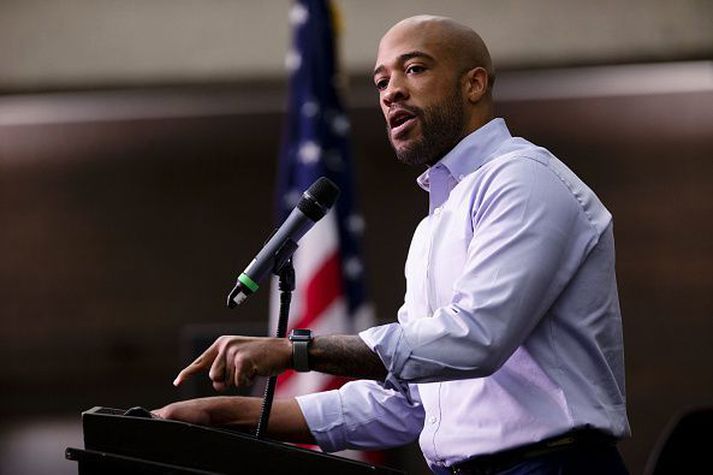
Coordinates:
column 195, row 411
column 242, row 413
column 237, row 360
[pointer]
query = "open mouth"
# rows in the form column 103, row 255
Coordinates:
column 400, row 121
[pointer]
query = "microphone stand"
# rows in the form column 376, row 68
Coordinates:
column 286, row 275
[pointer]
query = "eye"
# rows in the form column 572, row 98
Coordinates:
column 415, row 69
column 381, row 84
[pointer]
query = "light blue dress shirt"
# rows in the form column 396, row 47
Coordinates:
column 510, row 331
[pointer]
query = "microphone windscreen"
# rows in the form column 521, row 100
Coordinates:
column 318, row 198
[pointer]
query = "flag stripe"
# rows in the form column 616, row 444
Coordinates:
column 321, row 291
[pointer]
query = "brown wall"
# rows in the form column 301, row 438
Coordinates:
column 116, row 234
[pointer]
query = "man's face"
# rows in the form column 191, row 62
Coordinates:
column 420, row 95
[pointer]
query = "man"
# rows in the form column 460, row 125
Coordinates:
column 507, row 356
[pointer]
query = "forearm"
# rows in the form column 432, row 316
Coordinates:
column 286, row 420
column 345, row 355
column 237, row 360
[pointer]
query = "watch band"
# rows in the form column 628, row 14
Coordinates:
column 300, row 338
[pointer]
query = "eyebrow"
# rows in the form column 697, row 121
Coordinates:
column 405, row 57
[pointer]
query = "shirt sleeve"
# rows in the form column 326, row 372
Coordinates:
column 530, row 234
column 363, row 415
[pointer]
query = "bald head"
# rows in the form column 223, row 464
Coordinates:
column 461, row 46
column 434, row 78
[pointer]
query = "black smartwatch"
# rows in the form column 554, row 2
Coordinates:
column 300, row 338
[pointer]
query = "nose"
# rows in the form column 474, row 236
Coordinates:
column 395, row 91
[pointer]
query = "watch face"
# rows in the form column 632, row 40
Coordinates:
column 301, row 334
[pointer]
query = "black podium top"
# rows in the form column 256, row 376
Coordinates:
column 171, row 444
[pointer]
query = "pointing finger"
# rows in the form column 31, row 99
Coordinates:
column 200, row 364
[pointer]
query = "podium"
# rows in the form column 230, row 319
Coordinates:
column 119, row 444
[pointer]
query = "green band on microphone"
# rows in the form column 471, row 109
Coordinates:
column 248, row 282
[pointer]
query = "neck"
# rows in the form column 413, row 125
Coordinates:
column 479, row 117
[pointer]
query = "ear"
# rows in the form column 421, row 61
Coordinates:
column 476, row 84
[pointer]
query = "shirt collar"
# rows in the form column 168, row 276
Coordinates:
column 470, row 153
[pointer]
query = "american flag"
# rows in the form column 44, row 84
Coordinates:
column 330, row 295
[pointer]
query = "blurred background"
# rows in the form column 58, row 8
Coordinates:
column 138, row 149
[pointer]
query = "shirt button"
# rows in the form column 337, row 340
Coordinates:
column 460, row 177
column 437, row 211
column 433, row 419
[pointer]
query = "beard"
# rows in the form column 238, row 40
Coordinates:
column 442, row 127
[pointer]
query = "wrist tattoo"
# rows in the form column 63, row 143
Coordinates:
column 345, row 355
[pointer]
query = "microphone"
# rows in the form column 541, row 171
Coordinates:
column 313, row 205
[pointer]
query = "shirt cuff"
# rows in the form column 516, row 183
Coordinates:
column 389, row 342
column 325, row 419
